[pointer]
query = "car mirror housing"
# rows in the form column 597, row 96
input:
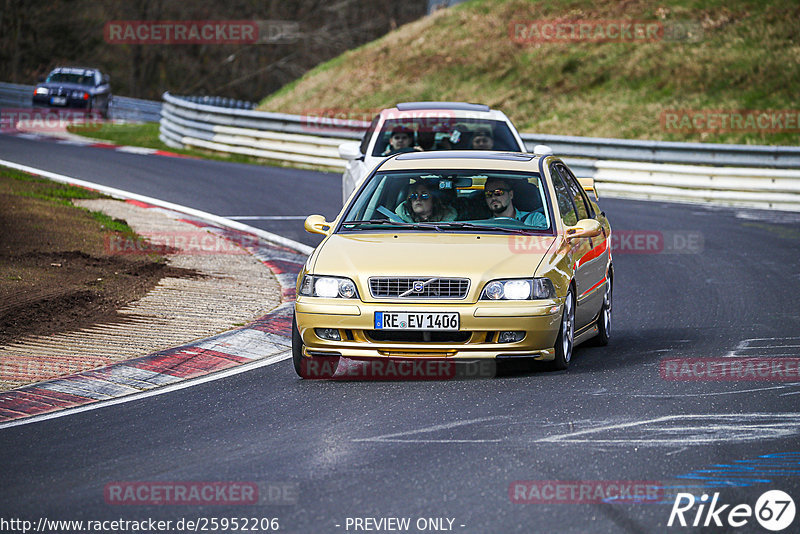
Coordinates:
column 316, row 224
column 584, row 228
column 349, row 150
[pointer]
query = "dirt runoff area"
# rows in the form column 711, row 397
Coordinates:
column 69, row 301
column 56, row 273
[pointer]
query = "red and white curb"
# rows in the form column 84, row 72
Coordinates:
column 64, row 138
column 268, row 339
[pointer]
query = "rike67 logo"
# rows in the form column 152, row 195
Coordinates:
column 774, row 510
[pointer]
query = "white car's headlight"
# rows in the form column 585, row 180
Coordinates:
column 519, row 289
column 328, row 287
column 41, row 90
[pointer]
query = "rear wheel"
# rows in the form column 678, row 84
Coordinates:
column 566, row 334
column 604, row 320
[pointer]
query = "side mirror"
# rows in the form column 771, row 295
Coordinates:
column 584, row 228
column 316, row 224
column 588, row 185
column 350, row 150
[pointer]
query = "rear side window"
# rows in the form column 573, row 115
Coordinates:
column 564, row 198
column 578, row 194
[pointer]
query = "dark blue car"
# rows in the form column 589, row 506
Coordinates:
column 72, row 87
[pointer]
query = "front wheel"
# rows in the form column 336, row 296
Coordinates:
column 566, row 334
column 309, row 366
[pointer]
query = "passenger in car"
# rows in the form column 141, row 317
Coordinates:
column 425, row 203
column 500, row 200
column 400, row 141
column 483, row 139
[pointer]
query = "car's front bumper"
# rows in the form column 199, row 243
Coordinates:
column 69, row 102
column 480, row 325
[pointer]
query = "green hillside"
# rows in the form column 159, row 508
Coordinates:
column 741, row 55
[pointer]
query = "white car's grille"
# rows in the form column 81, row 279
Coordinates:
column 418, row 287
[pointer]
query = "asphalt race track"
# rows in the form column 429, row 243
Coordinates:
column 227, row 189
column 712, row 283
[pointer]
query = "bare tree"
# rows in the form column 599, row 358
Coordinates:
column 36, row 36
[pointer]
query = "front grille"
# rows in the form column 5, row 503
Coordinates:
column 419, row 336
column 418, row 287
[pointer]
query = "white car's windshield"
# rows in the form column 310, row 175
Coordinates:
column 443, row 133
column 447, row 200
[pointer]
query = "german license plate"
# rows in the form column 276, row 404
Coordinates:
column 416, row 321
column 58, row 100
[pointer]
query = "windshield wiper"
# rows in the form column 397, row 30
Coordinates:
column 472, row 226
column 426, row 226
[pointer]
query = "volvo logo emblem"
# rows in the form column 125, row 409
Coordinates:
column 419, row 285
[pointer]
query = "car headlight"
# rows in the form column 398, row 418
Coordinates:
column 328, row 287
column 41, row 91
column 519, row 289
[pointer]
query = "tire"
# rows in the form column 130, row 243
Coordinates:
column 297, row 348
column 565, row 342
column 309, row 366
column 604, row 320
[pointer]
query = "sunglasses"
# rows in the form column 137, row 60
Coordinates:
column 421, row 196
column 495, row 193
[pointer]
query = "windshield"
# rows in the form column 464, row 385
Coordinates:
column 443, row 133
column 450, row 201
column 67, row 77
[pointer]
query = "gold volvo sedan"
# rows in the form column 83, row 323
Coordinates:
column 463, row 255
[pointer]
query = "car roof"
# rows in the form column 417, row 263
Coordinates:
column 456, row 110
column 406, row 106
column 462, row 159
column 74, row 70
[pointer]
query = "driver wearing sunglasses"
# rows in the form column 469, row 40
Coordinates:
column 500, row 200
column 423, row 204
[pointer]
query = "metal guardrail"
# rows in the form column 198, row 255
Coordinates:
column 133, row 109
column 736, row 175
column 221, row 102
column 274, row 136
column 782, row 157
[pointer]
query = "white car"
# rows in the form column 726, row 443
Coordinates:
column 428, row 126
